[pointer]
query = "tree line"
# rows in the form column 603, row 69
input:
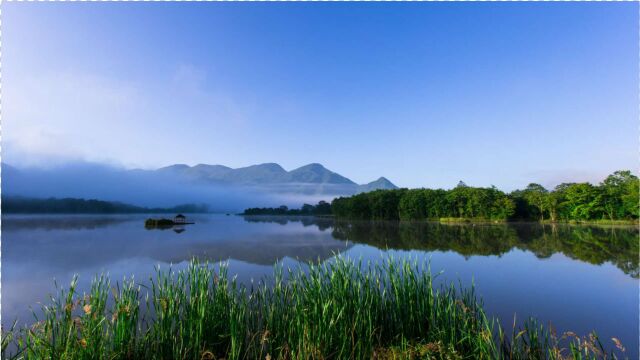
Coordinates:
column 616, row 198
column 24, row 205
column 322, row 208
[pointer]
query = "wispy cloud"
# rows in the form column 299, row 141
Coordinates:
column 71, row 116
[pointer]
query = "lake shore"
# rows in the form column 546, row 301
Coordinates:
column 470, row 221
column 342, row 310
column 516, row 268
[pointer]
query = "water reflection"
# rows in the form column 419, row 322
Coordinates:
column 578, row 277
column 591, row 244
column 78, row 241
column 322, row 223
column 60, row 222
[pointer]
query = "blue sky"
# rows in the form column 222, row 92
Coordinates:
column 425, row 94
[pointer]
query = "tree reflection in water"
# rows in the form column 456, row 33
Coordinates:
column 592, row 244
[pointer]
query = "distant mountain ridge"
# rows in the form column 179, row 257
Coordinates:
column 223, row 188
column 271, row 174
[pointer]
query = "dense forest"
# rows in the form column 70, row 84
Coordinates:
column 24, row 205
column 322, row 208
column 616, row 198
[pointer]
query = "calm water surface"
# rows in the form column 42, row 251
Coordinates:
column 577, row 278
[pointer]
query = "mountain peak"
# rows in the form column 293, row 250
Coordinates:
column 268, row 166
column 316, row 173
column 207, row 166
column 312, row 166
column 381, row 183
column 273, row 173
column 175, row 167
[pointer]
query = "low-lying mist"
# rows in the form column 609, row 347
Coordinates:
column 155, row 189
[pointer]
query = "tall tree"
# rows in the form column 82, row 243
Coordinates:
column 536, row 195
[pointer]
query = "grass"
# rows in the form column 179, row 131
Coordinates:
column 604, row 222
column 471, row 220
column 457, row 220
column 340, row 309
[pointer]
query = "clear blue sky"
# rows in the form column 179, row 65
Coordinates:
column 425, row 94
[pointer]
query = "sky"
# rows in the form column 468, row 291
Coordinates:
column 425, row 94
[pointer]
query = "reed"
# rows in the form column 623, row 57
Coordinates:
column 341, row 309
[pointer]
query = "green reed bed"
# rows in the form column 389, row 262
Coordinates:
column 341, row 309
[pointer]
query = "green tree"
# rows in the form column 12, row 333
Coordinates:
column 458, row 198
column 322, row 208
column 412, row 205
column 436, row 205
column 580, row 199
column 631, row 199
column 536, row 195
column 502, row 208
column 615, row 198
column 553, row 200
column 619, row 195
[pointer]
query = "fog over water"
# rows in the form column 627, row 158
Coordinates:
column 158, row 189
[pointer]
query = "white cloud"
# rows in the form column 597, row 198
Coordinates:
column 97, row 118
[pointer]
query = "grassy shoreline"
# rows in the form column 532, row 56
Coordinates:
column 635, row 222
column 455, row 220
column 452, row 220
column 336, row 310
column 601, row 222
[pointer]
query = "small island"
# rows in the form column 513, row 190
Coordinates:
column 166, row 223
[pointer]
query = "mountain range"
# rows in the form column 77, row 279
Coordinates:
column 270, row 174
column 220, row 187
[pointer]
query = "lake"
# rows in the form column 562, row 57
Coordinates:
column 577, row 278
